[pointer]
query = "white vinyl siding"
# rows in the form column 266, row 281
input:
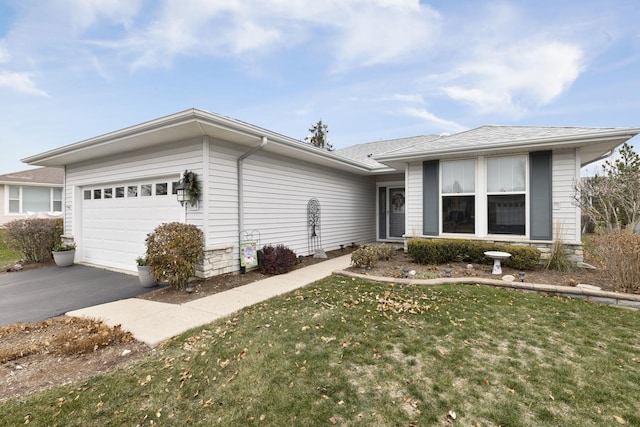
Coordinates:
column 566, row 215
column 278, row 189
column 276, row 193
column 165, row 163
column 413, row 188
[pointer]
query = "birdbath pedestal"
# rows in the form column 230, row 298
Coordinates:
column 497, row 256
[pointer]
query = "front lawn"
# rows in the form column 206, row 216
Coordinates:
column 7, row 256
column 350, row 352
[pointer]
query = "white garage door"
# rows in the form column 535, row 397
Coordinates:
column 116, row 219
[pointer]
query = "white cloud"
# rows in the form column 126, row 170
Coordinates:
column 516, row 77
column 350, row 34
column 444, row 124
column 20, row 82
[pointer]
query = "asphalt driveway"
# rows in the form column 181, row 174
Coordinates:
column 52, row 291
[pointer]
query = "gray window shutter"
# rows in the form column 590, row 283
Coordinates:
column 430, row 198
column 540, row 212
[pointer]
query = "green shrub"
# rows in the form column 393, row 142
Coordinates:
column 173, row 250
column 619, row 253
column 441, row 251
column 34, row 238
column 276, row 259
column 369, row 255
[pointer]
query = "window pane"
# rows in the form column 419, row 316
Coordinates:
column 108, row 193
column 14, row 206
column 506, row 174
column 145, row 190
column 119, row 192
column 458, row 214
column 459, row 176
column 161, row 189
column 87, row 194
column 57, row 206
column 14, row 192
column 132, row 191
column 507, row 214
column 97, row 193
column 36, row 199
column 57, row 194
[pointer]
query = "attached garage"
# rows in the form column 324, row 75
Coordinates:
column 116, row 219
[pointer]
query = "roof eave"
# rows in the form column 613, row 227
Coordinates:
column 618, row 136
column 191, row 123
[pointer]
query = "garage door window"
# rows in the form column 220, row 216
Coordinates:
column 143, row 190
column 161, row 189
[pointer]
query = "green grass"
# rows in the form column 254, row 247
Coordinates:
column 7, row 256
column 350, row 352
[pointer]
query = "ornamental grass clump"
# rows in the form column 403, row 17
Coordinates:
column 173, row 250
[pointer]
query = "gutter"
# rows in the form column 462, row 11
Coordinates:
column 254, row 150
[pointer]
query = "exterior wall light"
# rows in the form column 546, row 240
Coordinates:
column 181, row 194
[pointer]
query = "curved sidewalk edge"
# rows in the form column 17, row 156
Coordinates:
column 153, row 322
column 630, row 301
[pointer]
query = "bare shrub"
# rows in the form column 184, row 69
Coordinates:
column 619, row 253
column 34, row 238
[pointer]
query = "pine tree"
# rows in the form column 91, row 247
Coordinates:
column 318, row 136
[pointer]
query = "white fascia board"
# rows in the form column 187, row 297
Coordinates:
column 184, row 125
column 550, row 143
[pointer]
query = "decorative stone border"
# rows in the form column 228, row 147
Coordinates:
column 629, row 301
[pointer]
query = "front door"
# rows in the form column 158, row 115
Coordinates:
column 391, row 208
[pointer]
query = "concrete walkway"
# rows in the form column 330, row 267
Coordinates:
column 154, row 322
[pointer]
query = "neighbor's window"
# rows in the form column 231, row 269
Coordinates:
column 34, row 199
column 506, row 195
column 458, row 196
column 57, row 199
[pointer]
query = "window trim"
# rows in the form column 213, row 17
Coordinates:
column 20, row 199
column 481, row 199
column 442, row 195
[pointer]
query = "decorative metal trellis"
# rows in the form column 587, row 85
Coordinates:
column 314, row 225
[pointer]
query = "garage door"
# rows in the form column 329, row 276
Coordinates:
column 116, row 219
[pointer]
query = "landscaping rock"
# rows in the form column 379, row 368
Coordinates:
column 508, row 278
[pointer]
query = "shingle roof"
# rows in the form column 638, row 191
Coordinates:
column 364, row 152
column 486, row 137
column 35, row 176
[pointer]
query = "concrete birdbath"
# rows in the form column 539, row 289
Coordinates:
column 497, row 256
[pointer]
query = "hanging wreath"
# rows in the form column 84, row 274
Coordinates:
column 191, row 186
column 398, row 201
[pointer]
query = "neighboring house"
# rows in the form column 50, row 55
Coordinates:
column 506, row 184
column 31, row 193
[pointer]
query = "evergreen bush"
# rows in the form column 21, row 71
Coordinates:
column 441, row 251
column 276, row 259
column 173, row 250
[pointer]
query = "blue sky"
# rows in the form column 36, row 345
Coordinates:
column 370, row 69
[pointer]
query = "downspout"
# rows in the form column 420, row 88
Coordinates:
column 241, row 189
